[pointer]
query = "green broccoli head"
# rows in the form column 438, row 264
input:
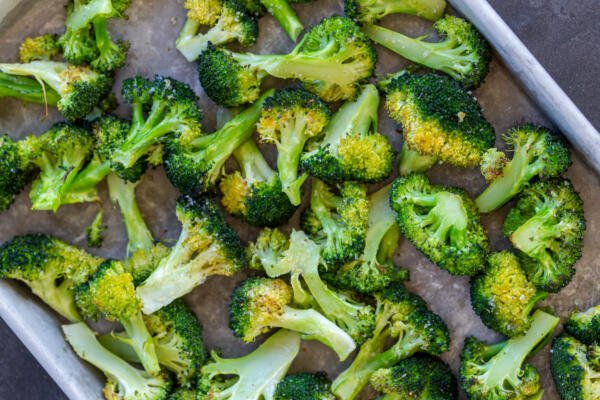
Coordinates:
column 420, row 377
column 442, row 223
column 585, row 325
column 439, row 118
column 503, row 296
column 304, row 386
column 15, row 169
column 574, row 370
column 370, row 11
column 547, row 226
column 537, row 152
column 39, row 48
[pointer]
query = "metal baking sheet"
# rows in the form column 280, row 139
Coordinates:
column 152, row 28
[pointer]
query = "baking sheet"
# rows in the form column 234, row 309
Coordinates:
column 152, row 28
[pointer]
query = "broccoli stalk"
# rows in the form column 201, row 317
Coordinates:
column 111, row 55
column 412, row 161
column 27, row 89
column 370, row 11
column 286, row 16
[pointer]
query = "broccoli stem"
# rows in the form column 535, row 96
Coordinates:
column 26, row 89
column 45, row 72
column 191, row 43
column 83, row 187
column 411, row 161
column 83, row 15
column 142, row 343
column 122, row 193
column 447, row 217
column 252, row 163
column 289, row 150
column 431, row 10
column 286, row 16
column 381, row 220
column 59, row 297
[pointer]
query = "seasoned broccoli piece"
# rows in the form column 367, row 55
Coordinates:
column 50, row 267
column 95, row 232
column 332, row 59
column 206, row 246
column 15, row 169
column 338, row 223
column 420, row 377
column 442, row 222
column 503, row 297
column 256, row 374
column 374, row 269
column 109, row 293
column 143, row 262
column 255, row 193
column 585, row 325
column 370, row 11
column 498, row 371
column 177, row 336
column 403, row 317
column 492, row 164
column 195, row 162
column 304, row 386
column 124, row 382
column 39, row 48
column 258, row 305
column 173, row 109
column 80, row 89
column 111, row 55
column 289, row 119
column 537, row 151
column 281, row 11
column 463, row 53
column 440, row 120
column 575, row 375
column 547, row 227
column 234, row 23
column 351, row 149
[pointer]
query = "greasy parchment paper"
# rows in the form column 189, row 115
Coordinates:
column 152, row 28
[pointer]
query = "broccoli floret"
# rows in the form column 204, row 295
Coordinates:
column 259, row 304
column 267, row 249
column 194, row 163
column 442, row 222
column 374, row 270
column 206, row 246
column 234, row 23
column 370, row 11
column 15, row 169
column 338, row 223
column 255, row 193
column 537, row 151
column 575, row 375
column 80, row 89
column 439, row 119
column 332, row 59
column 420, row 377
column 403, row 317
column 173, row 110
column 50, row 267
column 39, row 48
column 289, row 119
column 547, row 226
column 183, row 393
column 124, row 382
column 304, row 386
column 585, row 325
column 111, row 55
column 95, row 232
column 463, row 53
column 503, row 296
column 492, row 164
column 27, row 89
column 141, row 263
column 351, row 149
column 498, row 371
column 109, row 293
column 281, row 11
column 256, row 374
column 205, row 12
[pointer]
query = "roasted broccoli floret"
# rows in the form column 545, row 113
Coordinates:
column 574, row 369
column 374, row 269
column 194, row 163
column 15, row 169
column 338, row 223
column 39, row 48
column 351, row 149
column 173, row 110
column 537, row 152
column 124, row 382
column 255, row 192
column 304, row 386
column 585, row 325
column 259, row 304
column 50, row 267
column 95, row 231
column 420, row 377
column 143, row 262
column 547, row 227
column 462, row 53
column 403, row 317
column 440, row 120
column 79, row 89
column 267, row 249
column 442, row 222
column 492, row 164
column 234, row 23
column 332, row 59
column 256, row 375
column 370, row 11
column 289, row 119
column 281, row 11
column 109, row 293
column 499, row 371
column 503, row 296
column 206, row 246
